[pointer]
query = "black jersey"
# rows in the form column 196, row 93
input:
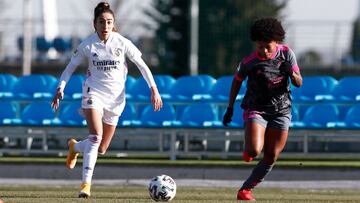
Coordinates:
column 268, row 90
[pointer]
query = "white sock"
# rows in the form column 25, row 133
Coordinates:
column 80, row 146
column 90, row 157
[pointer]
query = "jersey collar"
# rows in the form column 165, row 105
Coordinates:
column 108, row 40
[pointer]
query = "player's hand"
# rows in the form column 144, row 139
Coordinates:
column 228, row 115
column 286, row 68
column 156, row 99
column 59, row 95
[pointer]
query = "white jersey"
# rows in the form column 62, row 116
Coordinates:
column 107, row 69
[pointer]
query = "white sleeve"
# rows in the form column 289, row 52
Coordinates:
column 76, row 60
column 144, row 69
column 131, row 50
column 133, row 53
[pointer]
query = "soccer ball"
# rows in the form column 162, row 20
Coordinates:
column 162, row 188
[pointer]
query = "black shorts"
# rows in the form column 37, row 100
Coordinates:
column 280, row 121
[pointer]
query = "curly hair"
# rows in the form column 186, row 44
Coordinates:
column 266, row 30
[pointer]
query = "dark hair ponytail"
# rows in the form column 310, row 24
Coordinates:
column 103, row 7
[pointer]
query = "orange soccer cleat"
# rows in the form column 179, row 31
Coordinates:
column 85, row 190
column 72, row 154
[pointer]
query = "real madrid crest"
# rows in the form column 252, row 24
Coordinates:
column 117, row 51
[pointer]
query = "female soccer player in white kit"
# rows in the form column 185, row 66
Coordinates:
column 103, row 90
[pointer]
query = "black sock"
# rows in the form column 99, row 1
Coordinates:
column 258, row 174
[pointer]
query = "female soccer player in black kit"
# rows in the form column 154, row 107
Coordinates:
column 267, row 103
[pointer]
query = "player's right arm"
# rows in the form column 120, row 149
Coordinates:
column 135, row 56
column 234, row 91
column 235, row 88
column 76, row 60
column 292, row 69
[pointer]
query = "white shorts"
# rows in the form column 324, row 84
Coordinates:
column 109, row 107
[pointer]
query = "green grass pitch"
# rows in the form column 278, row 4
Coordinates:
column 139, row 194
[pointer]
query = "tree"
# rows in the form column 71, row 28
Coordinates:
column 172, row 35
column 355, row 45
column 224, row 31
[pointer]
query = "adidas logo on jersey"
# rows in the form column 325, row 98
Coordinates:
column 75, row 52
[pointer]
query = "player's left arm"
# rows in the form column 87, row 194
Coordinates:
column 296, row 79
column 295, row 75
column 146, row 73
column 135, row 56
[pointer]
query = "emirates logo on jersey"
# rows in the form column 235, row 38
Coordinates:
column 106, row 65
